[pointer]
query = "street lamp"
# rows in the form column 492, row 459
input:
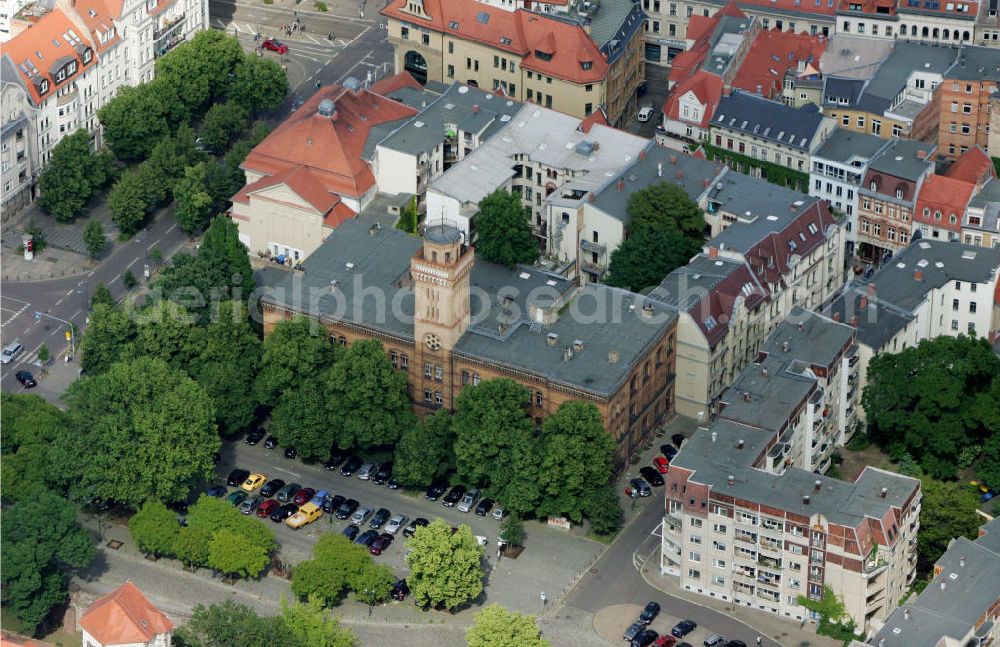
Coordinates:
column 70, row 334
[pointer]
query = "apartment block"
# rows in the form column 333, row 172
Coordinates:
column 965, row 104
column 981, row 225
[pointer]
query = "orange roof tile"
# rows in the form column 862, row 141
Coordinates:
column 330, row 147
column 705, row 85
column 43, row 49
column 338, row 215
column 300, row 180
column 596, row 117
column 973, row 166
column 395, row 82
column 566, row 46
column 944, row 195
column 771, row 55
column 98, row 19
column 124, row 616
column 824, row 7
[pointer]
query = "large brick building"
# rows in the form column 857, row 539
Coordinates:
column 965, row 106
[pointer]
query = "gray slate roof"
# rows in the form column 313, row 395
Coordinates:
column 976, row 64
column 770, row 120
column 844, row 146
column 771, row 208
column 901, row 158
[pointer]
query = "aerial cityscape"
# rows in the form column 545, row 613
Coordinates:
column 500, row 323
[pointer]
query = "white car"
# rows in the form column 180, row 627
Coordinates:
column 498, row 513
column 361, row 516
column 10, row 353
column 398, row 521
column 645, row 113
column 469, row 500
column 367, row 471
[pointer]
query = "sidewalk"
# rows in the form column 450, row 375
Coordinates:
column 782, row 631
column 65, row 253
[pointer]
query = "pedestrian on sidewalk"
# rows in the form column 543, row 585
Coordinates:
column 760, row 641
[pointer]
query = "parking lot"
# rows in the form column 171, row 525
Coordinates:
column 551, row 562
column 611, row 622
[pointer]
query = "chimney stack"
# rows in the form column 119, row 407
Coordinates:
column 621, row 184
column 706, row 182
column 884, row 492
column 740, row 444
column 805, row 499
column 906, row 614
column 961, row 561
column 591, row 197
column 714, row 436
column 730, row 480
column 836, row 316
column 863, row 302
column 673, row 159
column 784, row 346
column 818, row 485
column 918, row 275
column 871, row 289
column 854, row 321
column 642, row 154
column 475, row 107
column 944, row 585
column 713, row 252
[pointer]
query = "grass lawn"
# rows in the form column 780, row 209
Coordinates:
column 60, row 637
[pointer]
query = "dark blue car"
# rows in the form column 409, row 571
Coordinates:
column 218, row 491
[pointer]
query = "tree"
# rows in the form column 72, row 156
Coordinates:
column 74, row 173
column 194, row 203
column 369, row 404
column 603, row 510
column 426, row 451
column 667, row 203
column 41, row 542
column 191, row 545
column 576, row 454
column 94, row 238
column 408, row 217
column 212, row 515
column 222, row 124
column 237, row 555
column 108, row 338
column 833, row 618
column 101, row 296
column 141, row 430
column 373, row 584
column 947, row 510
column 172, row 155
column 988, row 470
column 134, row 121
column 512, row 530
column 154, row 528
column 166, row 331
column 311, row 625
column 198, row 72
column 300, row 420
column 130, row 201
column 296, row 351
column 336, row 563
column 128, row 278
column 229, row 624
column 648, row 255
column 31, row 426
column 494, row 443
column 933, row 400
column 446, row 568
column 260, row 85
column 43, row 353
column 495, row 626
column 504, row 227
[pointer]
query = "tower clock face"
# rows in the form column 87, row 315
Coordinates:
column 432, row 341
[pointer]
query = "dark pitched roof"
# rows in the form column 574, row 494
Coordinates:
column 770, row 120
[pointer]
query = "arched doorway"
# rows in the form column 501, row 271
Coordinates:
column 416, row 65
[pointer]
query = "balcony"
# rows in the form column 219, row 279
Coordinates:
column 769, row 562
column 68, row 97
column 772, row 547
column 770, row 596
column 592, row 268
column 169, row 26
column 595, row 248
column 875, row 565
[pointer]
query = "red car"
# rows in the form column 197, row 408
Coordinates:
column 382, row 542
column 304, row 496
column 275, row 45
column 266, row 508
column 661, row 464
column 665, row 641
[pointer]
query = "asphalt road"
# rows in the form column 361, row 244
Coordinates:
column 69, row 298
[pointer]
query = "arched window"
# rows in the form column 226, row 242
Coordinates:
column 937, row 33
column 927, row 212
column 925, row 32
column 874, row 185
column 965, row 35
column 937, row 215
column 902, row 30
column 947, row 34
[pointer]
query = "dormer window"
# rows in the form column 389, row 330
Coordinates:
column 586, row 65
column 43, row 87
column 61, row 75
column 88, row 55
column 899, row 193
column 874, row 185
column 542, row 56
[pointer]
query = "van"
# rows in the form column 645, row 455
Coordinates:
column 644, row 113
column 715, row 640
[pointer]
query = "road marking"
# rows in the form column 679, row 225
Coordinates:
column 172, row 227
column 75, row 314
column 363, row 32
column 59, row 301
column 281, row 469
column 69, row 293
column 115, row 279
column 14, row 299
column 17, row 313
column 134, row 261
column 348, row 72
column 153, row 244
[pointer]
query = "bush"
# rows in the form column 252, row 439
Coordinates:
column 859, row 442
column 320, row 6
column 129, row 280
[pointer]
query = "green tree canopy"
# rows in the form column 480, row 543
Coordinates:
column 933, row 400
column 212, row 515
column 222, row 124
column 336, row 563
column 235, row 554
column 504, row 230
column 31, row 427
column 373, row 584
column 369, row 404
column 166, row 331
column 194, row 202
column 102, row 296
column 833, row 617
column 94, row 238
column 667, row 204
column 603, row 510
column 108, row 338
column 172, row 155
column 576, row 454
column 41, row 541
column 312, row 626
column 141, row 430
column 191, row 545
column 426, row 451
column 300, row 420
column 74, row 173
column 297, row 351
column 229, row 624
column 495, row 626
column 446, row 568
column 199, row 71
column 134, row 121
column 154, row 528
column 130, row 201
column 947, row 510
column 260, row 84
column 648, row 255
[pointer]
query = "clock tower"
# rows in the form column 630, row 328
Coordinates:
column 440, row 271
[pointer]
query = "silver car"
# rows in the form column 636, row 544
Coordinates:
column 361, row 516
column 398, row 521
column 498, row 513
column 469, row 500
column 10, row 352
column 367, row 471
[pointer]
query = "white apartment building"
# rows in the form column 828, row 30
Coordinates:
column 835, row 172
column 19, row 147
column 981, row 225
column 9, row 24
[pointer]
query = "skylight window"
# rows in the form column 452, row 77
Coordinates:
column 453, row 24
column 482, row 17
column 504, row 40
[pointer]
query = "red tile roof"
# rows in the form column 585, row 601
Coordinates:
column 771, row 55
column 8, row 639
column 823, row 7
column 775, row 244
column 945, row 195
column 97, row 17
column 124, row 616
column 596, row 117
column 300, row 180
column 338, row 215
column 40, row 51
column 706, row 86
column 974, row 166
column 524, row 33
column 395, row 82
column 329, row 147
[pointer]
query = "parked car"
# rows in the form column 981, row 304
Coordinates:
column 399, row 591
column 435, row 491
column 392, row 484
column 253, row 482
column 678, row 440
column 275, row 45
column 633, row 630
column 645, row 639
column 319, row 498
column 379, row 518
column 218, row 491
column 236, row 477
column 683, row 628
column 484, row 507
column 367, row 538
column 366, row 471
column 396, row 523
column 382, row 474
column 351, row 532
column 419, row 522
column 652, row 476
column 237, row 497
column 715, row 640
column 267, row 507
column 649, row 613
column 285, row 511
column 644, row 113
column 303, row 496
column 291, row 453
column 381, row 543
column 661, row 464
column 735, row 643
column 351, row 466
column 454, row 496
column 638, row 487
column 346, row 509
column 336, row 458
column 254, row 437
column 666, row 641
column 499, row 513
column 361, row 515
column 10, row 352
column 333, row 503
column 307, row 514
column 287, row 493
column 26, row 379
column 250, row 505
column 469, row 500
column 668, row 451
column 271, row 488
column 270, row 442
